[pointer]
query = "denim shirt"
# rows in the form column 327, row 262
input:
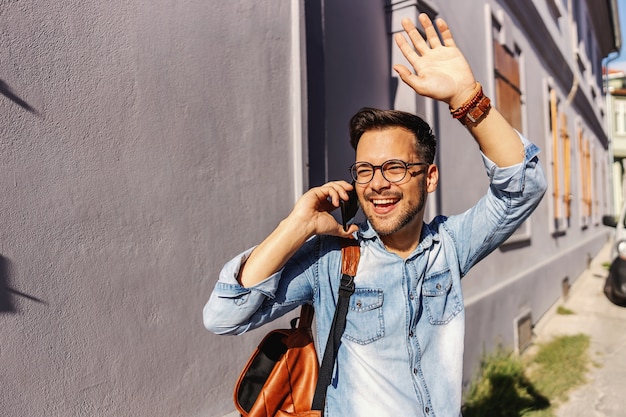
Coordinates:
column 402, row 350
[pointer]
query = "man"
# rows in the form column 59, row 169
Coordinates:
column 401, row 353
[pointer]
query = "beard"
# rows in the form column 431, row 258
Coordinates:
column 386, row 227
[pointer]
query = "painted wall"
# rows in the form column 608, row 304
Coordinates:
column 141, row 144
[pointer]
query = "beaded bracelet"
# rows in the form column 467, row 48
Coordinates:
column 469, row 103
column 474, row 108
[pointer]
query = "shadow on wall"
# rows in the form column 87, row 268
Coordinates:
column 7, row 294
column 5, row 90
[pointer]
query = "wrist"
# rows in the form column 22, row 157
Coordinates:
column 297, row 227
column 473, row 109
column 464, row 96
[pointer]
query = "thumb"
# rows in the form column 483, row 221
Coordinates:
column 349, row 234
column 407, row 76
column 401, row 70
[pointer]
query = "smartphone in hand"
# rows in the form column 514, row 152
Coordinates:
column 349, row 208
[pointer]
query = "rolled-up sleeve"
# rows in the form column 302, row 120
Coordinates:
column 234, row 309
column 514, row 193
column 512, row 179
column 231, row 305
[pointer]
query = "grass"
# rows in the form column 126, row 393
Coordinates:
column 511, row 386
column 564, row 311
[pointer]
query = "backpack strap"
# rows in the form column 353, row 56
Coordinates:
column 306, row 317
column 350, row 254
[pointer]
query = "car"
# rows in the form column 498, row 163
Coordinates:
column 615, row 286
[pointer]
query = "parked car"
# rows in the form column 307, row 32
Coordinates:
column 615, row 286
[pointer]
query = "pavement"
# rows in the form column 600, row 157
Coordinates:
column 603, row 395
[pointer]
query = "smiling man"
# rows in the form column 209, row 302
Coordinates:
column 393, row 201
column 402, row 350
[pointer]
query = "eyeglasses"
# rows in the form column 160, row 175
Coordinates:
column 393, row 170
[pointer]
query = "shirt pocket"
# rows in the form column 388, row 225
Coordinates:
column 441, row 301
column 365, row 323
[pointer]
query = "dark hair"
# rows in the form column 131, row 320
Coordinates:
column 369, row 118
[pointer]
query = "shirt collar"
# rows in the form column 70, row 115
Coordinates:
column 429, row 236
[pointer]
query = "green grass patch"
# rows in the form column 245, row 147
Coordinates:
column 562, row 365
column 510, row 386
column 564, row 311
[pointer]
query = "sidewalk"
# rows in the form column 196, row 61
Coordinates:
column 595, row 315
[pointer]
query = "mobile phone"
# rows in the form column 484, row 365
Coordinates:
column 349, row 208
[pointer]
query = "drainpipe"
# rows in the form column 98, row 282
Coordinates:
column 575, row 82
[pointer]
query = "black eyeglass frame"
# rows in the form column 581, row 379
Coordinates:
column 407, row 165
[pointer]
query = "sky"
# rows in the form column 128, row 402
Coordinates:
column 620, row 63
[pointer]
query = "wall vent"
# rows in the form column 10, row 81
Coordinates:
column 524, row 331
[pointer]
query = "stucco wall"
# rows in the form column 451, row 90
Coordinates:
column 140, row 144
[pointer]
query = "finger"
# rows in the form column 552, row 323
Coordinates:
column 327, row 206
column 333, row 197
column 446, row 34
column 342, row 187
column 406, row 49
column 416, row 38
column 407, row 76
column 336, row 191
column 431, row 33
column 346, row 187
column 401, row 70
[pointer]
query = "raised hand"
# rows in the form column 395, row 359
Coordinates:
column 441, row 70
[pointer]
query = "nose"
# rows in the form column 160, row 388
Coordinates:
column 379, row 182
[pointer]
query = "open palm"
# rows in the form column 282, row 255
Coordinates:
column 441, row 70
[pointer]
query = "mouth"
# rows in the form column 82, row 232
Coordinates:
column 383, row 205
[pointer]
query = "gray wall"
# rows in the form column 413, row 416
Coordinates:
column 141, row 143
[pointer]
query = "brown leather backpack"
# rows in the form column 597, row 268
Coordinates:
column 281, row 376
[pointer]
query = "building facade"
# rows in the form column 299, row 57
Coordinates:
column 142, row 146
column 616, row 104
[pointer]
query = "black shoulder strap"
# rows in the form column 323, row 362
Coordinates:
column 350, row 253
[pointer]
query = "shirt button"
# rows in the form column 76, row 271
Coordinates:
column 412, row 297
column 411, row 333
column 415, row 371
column 427, row 410
column 438, row 286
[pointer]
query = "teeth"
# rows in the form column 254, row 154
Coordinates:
column 379, row 202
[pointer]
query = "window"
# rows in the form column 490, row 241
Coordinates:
column 507, row 78
column 561, row 165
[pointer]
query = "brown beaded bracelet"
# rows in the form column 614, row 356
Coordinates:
column 474, row 109
column 469, row 103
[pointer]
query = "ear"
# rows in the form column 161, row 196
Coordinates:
column 432, row 178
